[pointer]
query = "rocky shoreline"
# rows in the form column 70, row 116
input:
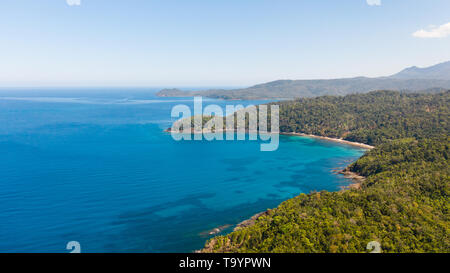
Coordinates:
column 251, row 221
column 357, row 179
column 241, row 225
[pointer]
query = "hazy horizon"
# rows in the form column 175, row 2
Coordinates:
column 86, row 43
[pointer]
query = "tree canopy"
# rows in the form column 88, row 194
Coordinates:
column 404, row 201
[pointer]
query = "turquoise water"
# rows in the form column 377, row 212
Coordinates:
column 95, row 166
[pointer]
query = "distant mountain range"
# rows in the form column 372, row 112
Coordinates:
column 440, row 71
column 429, row 79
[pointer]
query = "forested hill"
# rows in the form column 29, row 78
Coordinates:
column 412, row 79
column 404, row 201
column 403, row 205
column 369, row 118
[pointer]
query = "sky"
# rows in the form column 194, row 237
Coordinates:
column 168, row 43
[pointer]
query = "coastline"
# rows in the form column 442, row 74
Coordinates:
column 354, row 177
column 207, row 131
column 355, row 184
column 339, row 140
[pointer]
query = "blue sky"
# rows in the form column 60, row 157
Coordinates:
column 215, row 42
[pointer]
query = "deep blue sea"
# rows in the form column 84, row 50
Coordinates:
column 94, row 166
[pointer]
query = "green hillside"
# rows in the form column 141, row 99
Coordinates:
column 371, row 118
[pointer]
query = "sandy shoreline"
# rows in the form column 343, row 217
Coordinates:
column 357, row 144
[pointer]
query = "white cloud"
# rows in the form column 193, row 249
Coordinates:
column 73, row 2
column 373, row 2
column 433, row 32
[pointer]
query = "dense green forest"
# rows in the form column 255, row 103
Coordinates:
column 404, row 201
column 369, row 118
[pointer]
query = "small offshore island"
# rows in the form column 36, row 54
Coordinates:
column 402, row 190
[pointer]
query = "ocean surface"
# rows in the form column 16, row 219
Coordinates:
column 94, row 166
